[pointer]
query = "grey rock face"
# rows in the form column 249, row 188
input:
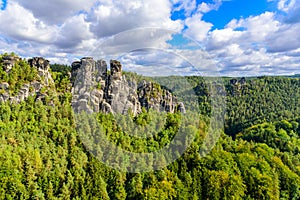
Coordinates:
column 4, row 86
column 95, row 90
column 116, row 69
column 40, row 63
column 181, row 107
column 242, row 81
column 152, row 98
column 233, row 81
column 43, row 66
column 87, row 80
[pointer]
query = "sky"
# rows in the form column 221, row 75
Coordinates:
column 162, row 37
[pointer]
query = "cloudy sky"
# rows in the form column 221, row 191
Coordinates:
column 233, row 37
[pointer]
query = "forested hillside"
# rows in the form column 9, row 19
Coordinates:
column 257, row 156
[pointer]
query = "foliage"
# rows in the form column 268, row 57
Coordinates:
column 20, row 74
column 257, row 157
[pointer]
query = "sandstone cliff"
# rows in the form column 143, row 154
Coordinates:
column 95, row 89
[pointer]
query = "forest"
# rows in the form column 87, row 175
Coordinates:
column 257, row 156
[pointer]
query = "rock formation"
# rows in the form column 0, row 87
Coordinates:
column 237, row 87
column 33, row 88
column 94, row 89
column 9, row 62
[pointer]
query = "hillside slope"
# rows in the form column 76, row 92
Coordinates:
column 43, row 157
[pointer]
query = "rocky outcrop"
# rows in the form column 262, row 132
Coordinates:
column 34, row 88
column 88, row 77
column 9, row 61
column 234, row 81
column 118, row 92
column 152, row 97
column 237, row 87
column 94, row 89
column 43, row 66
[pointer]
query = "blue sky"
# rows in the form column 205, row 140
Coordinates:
column 240, row 37
column 236, row 9
column 3, row 4
column 229, row 10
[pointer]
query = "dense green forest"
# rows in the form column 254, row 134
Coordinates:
column 257, row 156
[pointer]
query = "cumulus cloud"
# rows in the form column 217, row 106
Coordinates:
column 190, row 7
column 56, row 11
column 259, row 27
column 206, row 7
column 77, row 28
column 222, row 38
column 187, row 6
column 137, row 32
column 252, row 32
column 256, row 45
column 123, row 26
column 202, row 61
column 286, row 5
column 197, row 28
column 286, row 38
column 237, row 61
column 114, row 17
column 294, row 16
column 132, row 40
column 73, row 32
column 20, row 24
column 154, row 62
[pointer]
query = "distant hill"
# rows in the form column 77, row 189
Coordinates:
column 294, row 76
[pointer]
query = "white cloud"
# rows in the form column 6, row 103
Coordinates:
column 222, row 38
column 286, row 5
column 187, row 6
column 197, row 28
column 73, row 32
column 56, row 11
column 114, row 17
column 66, row 30
column 201, row 60
column 256, row 45
column 20, row 24
column 206, row 7
column 286, row 38
column 253, row 32
column 126, row 25
column 259, row 27
column 235, row 61
column 132, row 40
column 153, row 62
